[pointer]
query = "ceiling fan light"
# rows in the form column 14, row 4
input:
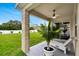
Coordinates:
column 54, row 17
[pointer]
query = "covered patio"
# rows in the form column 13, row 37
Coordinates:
column 68, row 12
column 37, row 50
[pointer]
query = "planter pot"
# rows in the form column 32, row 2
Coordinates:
column 49, row 52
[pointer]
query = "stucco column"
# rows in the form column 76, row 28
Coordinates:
column 77, row 43
column 25, row 31
column 73, row 28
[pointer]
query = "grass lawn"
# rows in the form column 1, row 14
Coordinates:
column 10, row 44
column 35, row 38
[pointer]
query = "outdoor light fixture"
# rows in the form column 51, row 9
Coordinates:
column 54, row 16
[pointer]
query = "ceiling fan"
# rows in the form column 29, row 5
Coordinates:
column 54, row 16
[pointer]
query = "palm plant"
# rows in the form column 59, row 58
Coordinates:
column 49, row 32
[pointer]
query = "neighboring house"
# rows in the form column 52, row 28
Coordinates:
column 35, row 28
column 33, row 31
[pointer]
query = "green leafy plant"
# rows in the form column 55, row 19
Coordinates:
column 49, row 32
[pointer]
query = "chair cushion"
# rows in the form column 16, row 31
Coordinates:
column 58, row 45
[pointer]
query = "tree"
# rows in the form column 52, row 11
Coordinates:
column 11, row 25
column 31, row 28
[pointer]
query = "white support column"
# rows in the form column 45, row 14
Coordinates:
column 77, row 43
column 25, row 32
column 72, row 28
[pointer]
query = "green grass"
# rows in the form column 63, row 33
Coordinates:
column 35, row 38
column 10, row 44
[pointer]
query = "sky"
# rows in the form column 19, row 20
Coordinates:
column 8, row 12
column 34, row 20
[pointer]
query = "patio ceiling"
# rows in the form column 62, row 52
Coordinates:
column 44, row 10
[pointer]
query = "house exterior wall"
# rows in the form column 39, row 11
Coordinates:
column 77, row 42
column 25, row 30
column 73, row 24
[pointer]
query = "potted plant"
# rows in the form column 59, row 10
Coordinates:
column 49, row 32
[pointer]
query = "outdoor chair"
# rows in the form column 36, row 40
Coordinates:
column 61, row 44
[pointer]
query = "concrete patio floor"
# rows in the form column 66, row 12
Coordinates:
column 37, row 50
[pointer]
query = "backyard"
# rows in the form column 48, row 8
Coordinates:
column 10, row 44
